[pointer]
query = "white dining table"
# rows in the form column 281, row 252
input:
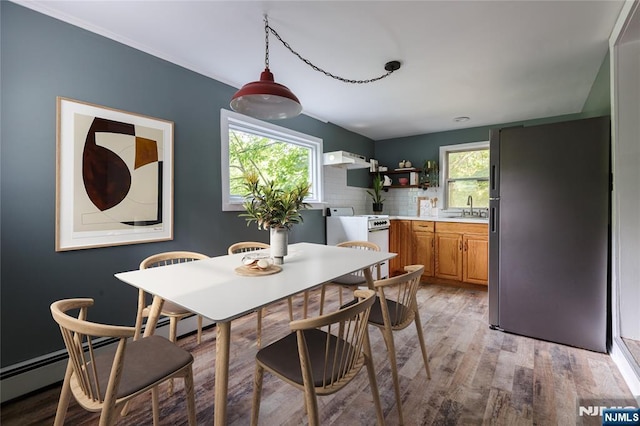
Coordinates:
column 213, row 289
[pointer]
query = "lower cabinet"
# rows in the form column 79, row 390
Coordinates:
column 400, row 243
column 475, row 258
column 462, row 252
column 452, row 251
column 424, row 246
column 449, row 256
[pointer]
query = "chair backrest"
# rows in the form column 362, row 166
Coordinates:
column 94, row 379
column 170, row 258
column 246, row 246
column 153, row 261
column 398, row 296
column 362, row 245
column 344, row 343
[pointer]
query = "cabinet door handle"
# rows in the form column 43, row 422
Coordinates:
column 466, row 245
column 460, row 245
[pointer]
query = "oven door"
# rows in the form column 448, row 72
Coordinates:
column 381, row 238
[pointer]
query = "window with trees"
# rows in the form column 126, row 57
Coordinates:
column 275, row 153
column 466, row 173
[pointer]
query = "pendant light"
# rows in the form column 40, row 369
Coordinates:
column 265, row 99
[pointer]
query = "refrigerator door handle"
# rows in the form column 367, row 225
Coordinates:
column 492, row 225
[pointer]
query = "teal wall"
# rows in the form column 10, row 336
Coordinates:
column 599, row 100
column 419, row 148
column 42, row 58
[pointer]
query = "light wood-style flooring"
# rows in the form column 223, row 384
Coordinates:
column 479, row 376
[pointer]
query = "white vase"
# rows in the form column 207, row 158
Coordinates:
column 279, row 240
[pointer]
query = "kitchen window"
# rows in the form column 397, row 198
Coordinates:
column 274, row 152
column 465, row 173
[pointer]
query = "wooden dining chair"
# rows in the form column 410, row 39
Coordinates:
column 353, row 280
column 321, row 356
column 250, row 246
column 104, row 379
column 169, row 309
column 396, row 307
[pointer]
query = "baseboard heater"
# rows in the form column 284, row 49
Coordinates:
column 29, row 376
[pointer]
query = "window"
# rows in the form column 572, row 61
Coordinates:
column 466, row 173
column 275, row 153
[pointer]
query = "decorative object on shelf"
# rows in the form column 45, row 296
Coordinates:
column 401, row 164
column 376, row 192
column 429, row 178
column 275, row 209
column 265, row 99
column 403, row 181
column 387, row 181
column 407, row 164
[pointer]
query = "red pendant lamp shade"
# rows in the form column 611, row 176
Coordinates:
column 266, row 99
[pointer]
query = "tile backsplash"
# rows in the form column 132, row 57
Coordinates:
column 398, row 201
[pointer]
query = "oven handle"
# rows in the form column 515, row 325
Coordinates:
column 378, row 230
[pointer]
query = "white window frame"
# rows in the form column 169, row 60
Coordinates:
column 444, row 169
column 233, row 120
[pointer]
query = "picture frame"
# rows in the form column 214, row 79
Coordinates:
column 114, row 177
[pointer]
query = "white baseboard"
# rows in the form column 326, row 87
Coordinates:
column 49, row 369
column 626, row 369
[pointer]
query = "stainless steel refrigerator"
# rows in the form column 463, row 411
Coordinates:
column 549, row 232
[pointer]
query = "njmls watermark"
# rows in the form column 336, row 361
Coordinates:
column 611, row 411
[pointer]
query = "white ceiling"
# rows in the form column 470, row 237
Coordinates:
column 494, row 61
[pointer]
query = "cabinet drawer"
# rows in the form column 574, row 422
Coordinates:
column 422, row 225
column 462, row 228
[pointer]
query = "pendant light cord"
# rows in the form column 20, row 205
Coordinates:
column 390, row 67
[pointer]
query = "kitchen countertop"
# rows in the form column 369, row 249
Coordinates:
column 443, row 219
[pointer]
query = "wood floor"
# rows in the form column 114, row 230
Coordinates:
column 479, row 376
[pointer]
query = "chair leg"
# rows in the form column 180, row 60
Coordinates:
column 156, row 406
column 322, row 294
column 340, row 295
column 423, row 347
column 387, row 333
column 65, row 394
column 311, row 404
column 173, row 333
column 373, row 384
column 257, row 391
column 191, row 399
column 259, row 328
column 199, row 338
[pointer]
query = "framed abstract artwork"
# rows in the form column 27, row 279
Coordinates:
column 114, row 177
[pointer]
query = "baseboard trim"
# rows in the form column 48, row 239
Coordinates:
column 29, row 376
column 626, row 369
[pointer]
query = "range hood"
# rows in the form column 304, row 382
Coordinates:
column 345, row 159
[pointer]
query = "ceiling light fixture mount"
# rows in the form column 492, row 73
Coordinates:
column 265, row 99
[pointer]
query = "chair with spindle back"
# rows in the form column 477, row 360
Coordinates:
column 104, row 379
column 321, row 356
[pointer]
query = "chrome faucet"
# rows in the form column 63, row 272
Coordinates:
column 470, row 204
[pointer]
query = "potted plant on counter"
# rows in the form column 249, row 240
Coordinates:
column 274, row 208
column 376, row 193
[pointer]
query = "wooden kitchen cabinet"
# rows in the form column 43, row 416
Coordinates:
column 462, row 252
column 475, row 258
column 424, row 246
column 400, row 239
column 448, row 255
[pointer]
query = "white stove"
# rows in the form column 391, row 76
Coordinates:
column 343, row 225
